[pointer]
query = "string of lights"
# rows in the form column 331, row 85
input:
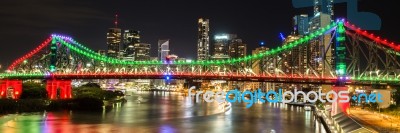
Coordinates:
column 87, row 52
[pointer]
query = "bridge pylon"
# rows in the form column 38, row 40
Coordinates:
column 10, row 88
column 340, row 63
column 59, row 89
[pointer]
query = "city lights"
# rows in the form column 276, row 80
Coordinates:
column 81, row 49
column 161, row 70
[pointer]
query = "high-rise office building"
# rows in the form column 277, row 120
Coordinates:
column 323, row 6
column 237, row 49
column 320, row 53
column 257, row 64
column 221, row 45
column 300, row 24
column 203, row 42
column 113, row 42
column 321, row 20
column 142, row 51
column 163, row 49
column 102, row 52
column 295, row 58
column 131, row 37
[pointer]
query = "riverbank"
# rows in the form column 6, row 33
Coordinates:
column 375, row 120
column 11, row 106
column 301, row 104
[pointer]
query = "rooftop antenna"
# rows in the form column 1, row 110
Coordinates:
column 116, row 20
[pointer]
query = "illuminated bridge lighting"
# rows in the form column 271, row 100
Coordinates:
column 156, row 69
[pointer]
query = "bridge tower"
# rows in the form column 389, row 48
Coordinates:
column 340, row 66
column 53, row 55
column 56, row 88
column 59, row 89
column 10, row 88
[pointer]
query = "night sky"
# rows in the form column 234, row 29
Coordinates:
column 26, row 23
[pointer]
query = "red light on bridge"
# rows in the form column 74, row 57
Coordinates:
column 392, row 45
column 377, row 39
column 30, row 54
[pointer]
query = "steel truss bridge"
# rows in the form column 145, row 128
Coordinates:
column 337, row 54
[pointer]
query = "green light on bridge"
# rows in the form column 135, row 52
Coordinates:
column 91, row 54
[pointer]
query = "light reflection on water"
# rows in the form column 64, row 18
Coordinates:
column 166, row 112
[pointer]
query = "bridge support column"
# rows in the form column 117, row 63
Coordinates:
column 337, row 106
column 2, row 89
column 340, row 65
column 59, row 89
column 10, row 88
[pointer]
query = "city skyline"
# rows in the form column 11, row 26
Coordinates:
column 183, row 43
column 144, row 66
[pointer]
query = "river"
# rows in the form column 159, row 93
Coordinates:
column 167, row 112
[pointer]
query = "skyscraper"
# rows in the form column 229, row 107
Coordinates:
column 113, row 42
column 296, row 59
column 163, row 49
column 221, row 45
column 257, row 64
column 102, row 52
column 300, row 24
column 293, row 60
column 142, row 51
column 237, row 49
column 320, row 51
column 203, row 43
column 323, row 6
column 131, row 37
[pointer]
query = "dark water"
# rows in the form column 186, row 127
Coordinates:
column 166, row 112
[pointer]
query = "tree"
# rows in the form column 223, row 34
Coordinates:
column 110, row 95
column 92, row 90
column 88, row 92
column 91, row 85
column 396, row 96
column 33, row 91
column 373, row 105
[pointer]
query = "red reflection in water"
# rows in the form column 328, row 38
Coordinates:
column 57, row 122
